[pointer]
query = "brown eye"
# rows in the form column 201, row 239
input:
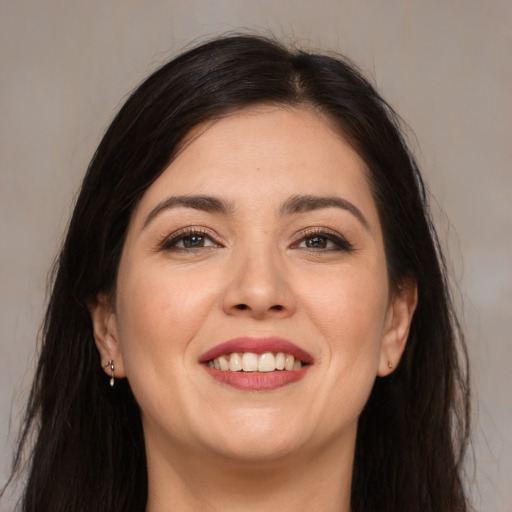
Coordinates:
column 317, row 242
column 188, row 240
column 324, row 241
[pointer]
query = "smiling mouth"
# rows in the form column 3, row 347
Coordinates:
column 257, row 364
column 251, row 362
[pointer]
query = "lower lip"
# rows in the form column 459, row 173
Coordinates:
column 257, row 381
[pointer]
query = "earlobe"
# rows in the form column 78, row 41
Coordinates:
column 104, row 323
column 402, row 307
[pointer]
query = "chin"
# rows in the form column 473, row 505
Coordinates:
column 262, row 437
column 256, row 449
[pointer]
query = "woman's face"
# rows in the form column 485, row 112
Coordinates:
column 261, row 238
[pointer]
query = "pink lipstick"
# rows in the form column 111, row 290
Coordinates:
column 256, row 363
column 257, row 346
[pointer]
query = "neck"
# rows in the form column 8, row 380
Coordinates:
column 300, row 482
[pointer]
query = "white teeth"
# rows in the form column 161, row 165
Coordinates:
column 267, row 362
column 288, row 362
column 235, row 362
column 251, row 362
column 224, row 363
column 280, row 358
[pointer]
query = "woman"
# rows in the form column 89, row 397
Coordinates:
column 250, row 310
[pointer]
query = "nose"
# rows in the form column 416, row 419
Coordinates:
column 258, row 288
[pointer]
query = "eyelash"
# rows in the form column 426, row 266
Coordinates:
column 341, row 243
column 169, row 243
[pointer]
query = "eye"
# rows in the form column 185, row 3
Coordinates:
column 317, row 242
column 188, row 240
column 323, row 241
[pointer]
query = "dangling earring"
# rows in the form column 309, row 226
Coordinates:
column 111, row 364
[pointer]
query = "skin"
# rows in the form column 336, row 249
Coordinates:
column 211, row 446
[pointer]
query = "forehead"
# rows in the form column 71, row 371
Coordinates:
column 263, row 155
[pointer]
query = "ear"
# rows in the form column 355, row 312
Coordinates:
column 398, row 321
column 104, row 322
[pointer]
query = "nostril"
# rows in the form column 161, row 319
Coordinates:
column 276, row 307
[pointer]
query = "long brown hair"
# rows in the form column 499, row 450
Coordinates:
column 88, row 453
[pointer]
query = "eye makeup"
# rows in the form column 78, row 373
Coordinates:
column 322, row 239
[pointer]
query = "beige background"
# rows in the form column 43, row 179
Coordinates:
column 445, row 65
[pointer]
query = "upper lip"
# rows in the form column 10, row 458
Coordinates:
column 257, row 346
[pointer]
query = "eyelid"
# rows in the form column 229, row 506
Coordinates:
column 168, row 240
column 339, row 240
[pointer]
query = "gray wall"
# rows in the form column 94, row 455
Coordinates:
column 445, row 66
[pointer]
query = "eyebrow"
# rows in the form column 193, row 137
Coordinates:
column 301, row 204
column 293, row 205
column 197, row 202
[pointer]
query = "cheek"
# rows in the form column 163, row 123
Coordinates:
column 349, row 307
column 159, row 312
column 348, row 312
